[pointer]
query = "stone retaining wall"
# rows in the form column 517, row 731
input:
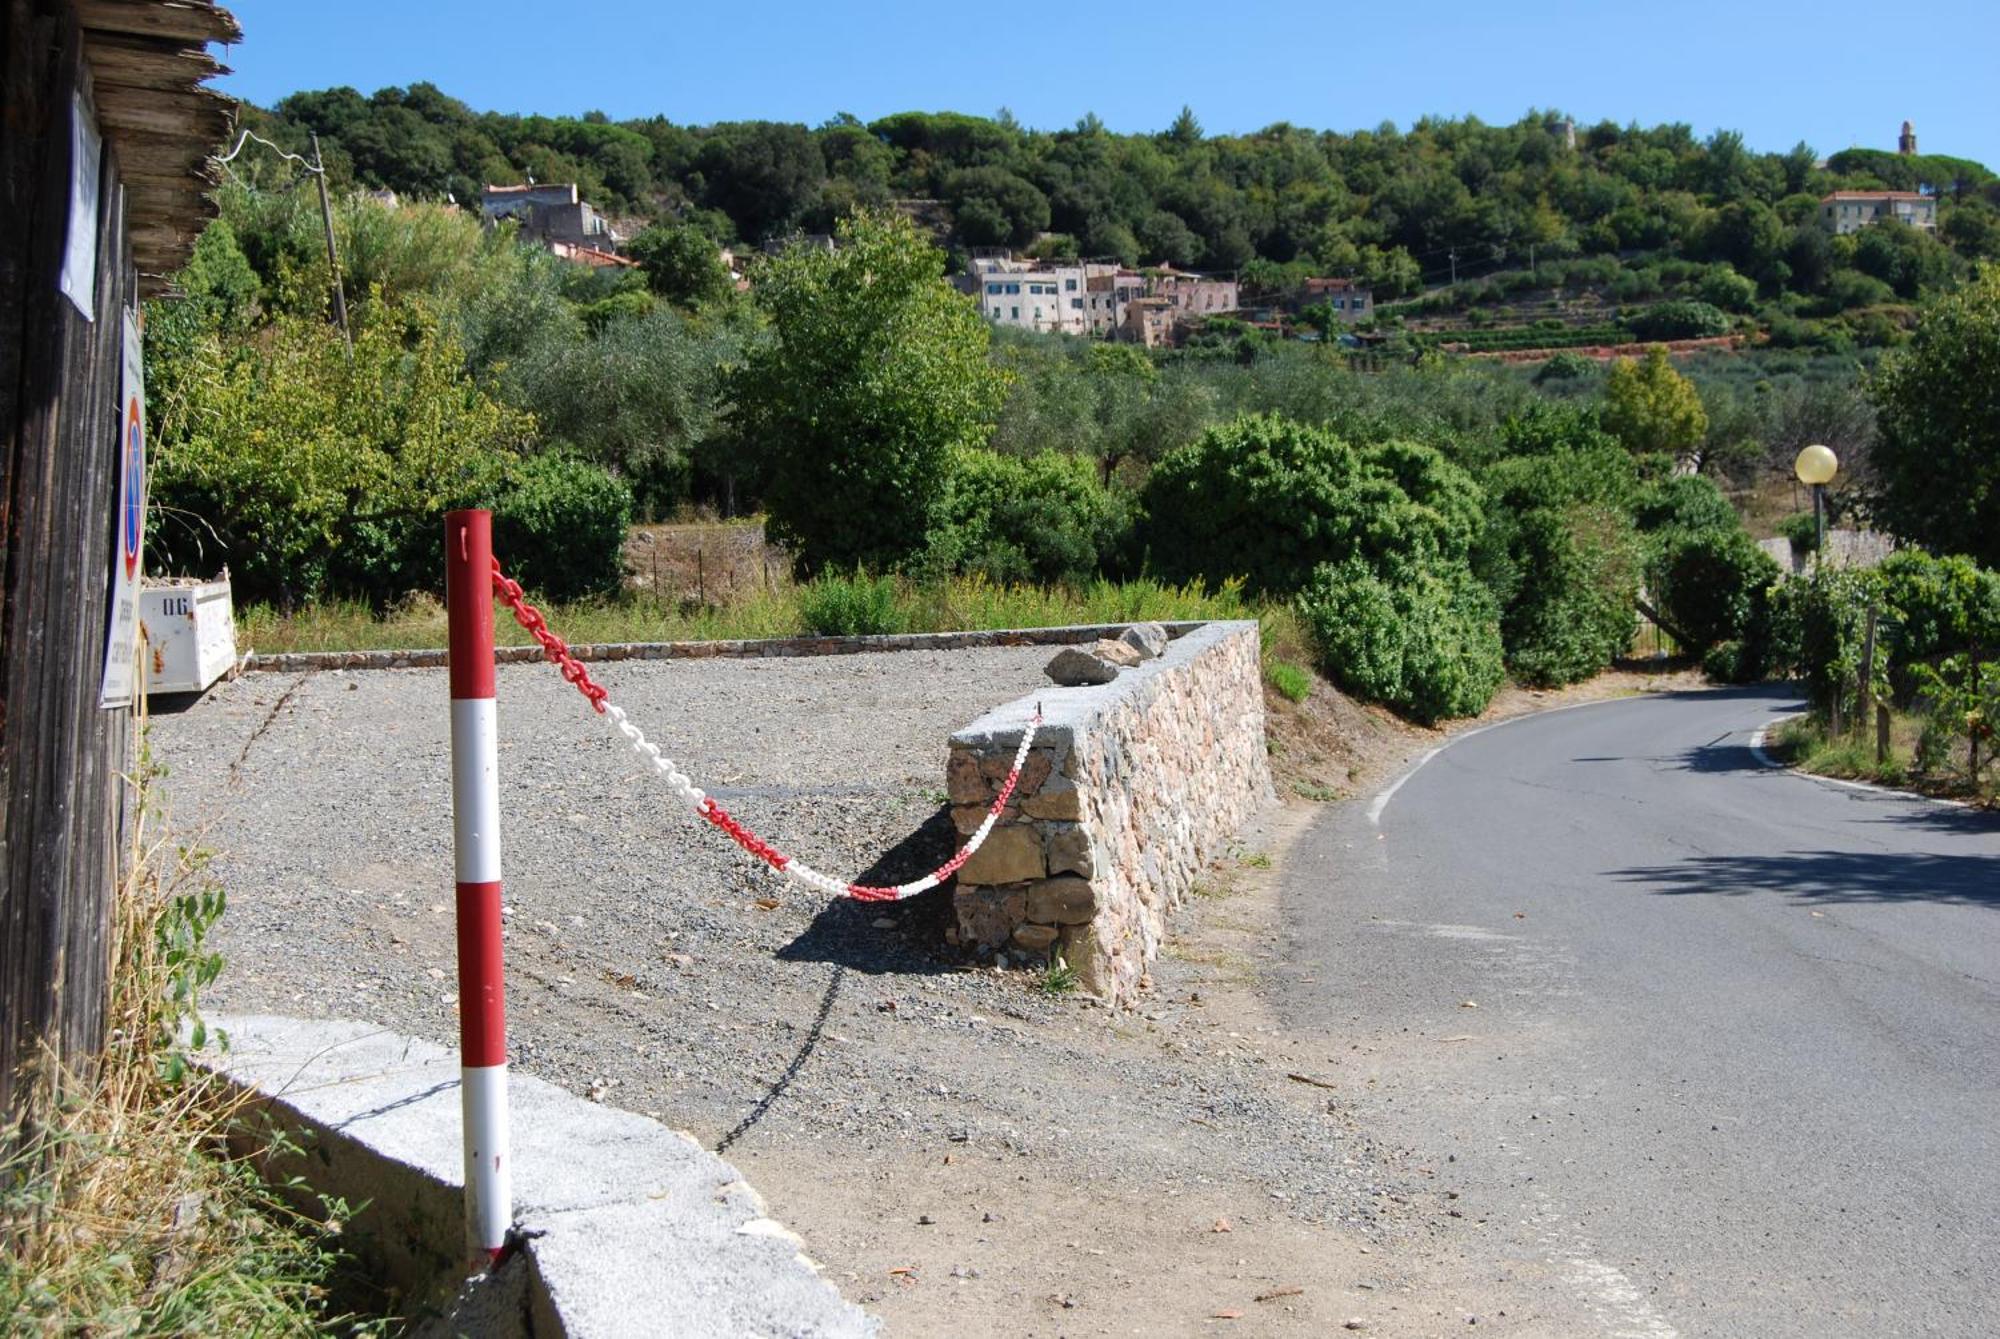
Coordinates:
column 1130, row 789
column 300, row 662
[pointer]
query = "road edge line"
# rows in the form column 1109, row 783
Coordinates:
column 1763, row 756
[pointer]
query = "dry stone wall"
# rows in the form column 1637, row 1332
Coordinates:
column 1130, row 789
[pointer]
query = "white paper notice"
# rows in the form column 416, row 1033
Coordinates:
column 120, row 645
column 86, row 160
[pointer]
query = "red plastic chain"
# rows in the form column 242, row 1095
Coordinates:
column 554, row 647
column 743, row 836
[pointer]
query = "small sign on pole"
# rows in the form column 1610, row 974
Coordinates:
column 127, row 546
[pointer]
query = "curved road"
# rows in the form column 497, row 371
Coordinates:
column 1703, row 1047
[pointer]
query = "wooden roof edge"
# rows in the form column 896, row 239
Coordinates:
column 187, row 20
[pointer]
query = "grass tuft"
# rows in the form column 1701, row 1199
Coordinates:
column 122, row 1209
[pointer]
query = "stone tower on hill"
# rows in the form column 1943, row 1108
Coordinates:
column 1907, row 141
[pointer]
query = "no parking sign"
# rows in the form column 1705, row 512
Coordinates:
column 120, row 645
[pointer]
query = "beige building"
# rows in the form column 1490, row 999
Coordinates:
column 1031, row 295
column 1844, row 212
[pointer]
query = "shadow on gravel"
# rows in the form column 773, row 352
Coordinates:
column 846, row 934
column 1832, row 877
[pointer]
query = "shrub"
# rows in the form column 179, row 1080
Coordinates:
column 1801, row 531
column 1683, row 502
column 1268, row 499
column 1723, row 287
column 842, row 606
column 1816, row 624
column 1939, row 606
column 1571, row 611
column 1045, row 518
column 1427, row 644
column 1565, row 366
column 1725, row 663
column 1711, row 584
column 1680, row 320
column 1290, row 680
column 559, row 526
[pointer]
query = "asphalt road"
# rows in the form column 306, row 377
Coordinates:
column 1702, row 1047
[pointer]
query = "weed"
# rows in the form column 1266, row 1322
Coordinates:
column 850, row 606
column 1314, row 791
column 1257, row 860
column 1290, row 680
column 122, row 1207
column 1058, row 978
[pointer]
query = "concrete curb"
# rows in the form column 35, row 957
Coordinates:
column 302, row 662
column 633, row 1229
column 1768, row 759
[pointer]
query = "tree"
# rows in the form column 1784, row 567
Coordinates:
column 682, row 265
column 875, row 374
column 1652, row 408
column 1937, row 462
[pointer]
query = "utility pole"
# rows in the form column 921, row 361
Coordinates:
column 332, row 256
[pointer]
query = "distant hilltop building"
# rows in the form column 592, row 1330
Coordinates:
column 552, row 215
column 1906, row 143
column 1844, row 212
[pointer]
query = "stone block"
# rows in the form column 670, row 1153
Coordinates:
column 1034, row 938
column 1148, row 639
column 988, row 916
column 967, row 817
column 1078, row 947
column 1074, row 668
column 1064, row 900
column 1011, row 855
column 1057, row 799
column 1069, row 851
column 1034, row 771
column 1117, row 653
column 963, row 780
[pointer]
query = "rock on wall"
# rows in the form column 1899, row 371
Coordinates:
column 1130, row 789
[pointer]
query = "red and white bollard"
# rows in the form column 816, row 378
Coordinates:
column 475, row 814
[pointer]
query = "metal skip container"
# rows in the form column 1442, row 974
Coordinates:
column 190, row 633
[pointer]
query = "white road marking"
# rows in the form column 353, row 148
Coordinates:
column 1763, row 756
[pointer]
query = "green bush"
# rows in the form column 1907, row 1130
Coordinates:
column 1725, row 662
column 850, row 606
column 1268, row 499
column 1426, row 644
column 1938, row 606
column 559, row 526
column 1801, row 531
column 1565, row 366
column 1816, row 630
column 1711, row 585
column 1290, row 680
column 1680, row 320
column 1683, row 502
column 1044, row 518
column 1570, row 613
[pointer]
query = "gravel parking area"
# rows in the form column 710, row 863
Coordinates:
column 964, row 1153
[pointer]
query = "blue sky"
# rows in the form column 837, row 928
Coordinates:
column 1836, row 74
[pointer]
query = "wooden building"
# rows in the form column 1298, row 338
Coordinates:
column 104, row 167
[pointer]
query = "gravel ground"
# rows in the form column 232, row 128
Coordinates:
column 963, row 1152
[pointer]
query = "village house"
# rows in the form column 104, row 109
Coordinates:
column 1352, row 301
column 1194, row 294
column 551, row 215
column 1844, row 212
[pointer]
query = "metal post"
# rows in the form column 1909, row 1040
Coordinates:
column 475, row 812
column 332, row 256
column 1864, row 688
column 1819, row 527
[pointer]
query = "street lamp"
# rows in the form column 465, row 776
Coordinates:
column 1817, row 465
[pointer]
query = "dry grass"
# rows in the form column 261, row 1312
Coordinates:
column 121, row 1210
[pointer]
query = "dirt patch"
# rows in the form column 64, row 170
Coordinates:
column 710, row 563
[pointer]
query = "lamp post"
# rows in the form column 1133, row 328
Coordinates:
column 1817, row 465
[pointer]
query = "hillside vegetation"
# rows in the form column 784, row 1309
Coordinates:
column 1403, row 209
